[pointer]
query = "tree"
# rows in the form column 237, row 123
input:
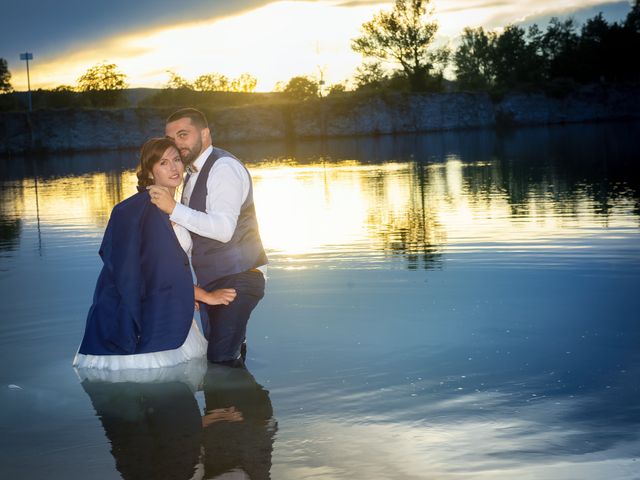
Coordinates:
column 404, row 37
column 632, row 21
column 102, row 77
column 337, row 89
column 632, row 25
column 559, row 48
column 176, row 82
column 5, row 77
column 244, row 83
column 302, row 88
column 104, row 84
column 472, row 59
column 370, row 76
column 593, row 48
column 515, row 61
column 212, row 82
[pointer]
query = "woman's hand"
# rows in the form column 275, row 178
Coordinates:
column 162, row 198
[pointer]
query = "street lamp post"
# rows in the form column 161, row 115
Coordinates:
column 27, row 56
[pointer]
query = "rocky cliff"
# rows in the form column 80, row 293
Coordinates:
column 76, row 130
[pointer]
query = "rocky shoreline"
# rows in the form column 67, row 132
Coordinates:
column 349, row 115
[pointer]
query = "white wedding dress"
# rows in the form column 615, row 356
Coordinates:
column 195, row 345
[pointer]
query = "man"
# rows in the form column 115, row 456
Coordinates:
column 217, row 208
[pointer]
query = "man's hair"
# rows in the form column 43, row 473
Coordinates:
column 196, row 117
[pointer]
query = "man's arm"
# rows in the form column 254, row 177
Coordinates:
column 227, row 189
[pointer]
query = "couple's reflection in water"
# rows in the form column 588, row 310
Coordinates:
column 157, row 429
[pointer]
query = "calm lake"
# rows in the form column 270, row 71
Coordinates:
column 443, row 306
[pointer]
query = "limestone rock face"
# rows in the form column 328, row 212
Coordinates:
column 348, row 115
column 589, row 104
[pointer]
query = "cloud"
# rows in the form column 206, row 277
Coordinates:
column 49, row 28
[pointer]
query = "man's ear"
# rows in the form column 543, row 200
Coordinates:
column 205, row 135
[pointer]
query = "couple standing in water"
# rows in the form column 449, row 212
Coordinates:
column 142, row 311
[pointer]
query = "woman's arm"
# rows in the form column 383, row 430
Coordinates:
column 222, row 296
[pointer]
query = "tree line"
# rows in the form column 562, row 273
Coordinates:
column 400, row 54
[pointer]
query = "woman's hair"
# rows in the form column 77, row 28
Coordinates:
column 150, row 154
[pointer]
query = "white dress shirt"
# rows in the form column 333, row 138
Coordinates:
column 227, row 188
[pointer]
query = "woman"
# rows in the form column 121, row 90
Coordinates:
column 142, row 312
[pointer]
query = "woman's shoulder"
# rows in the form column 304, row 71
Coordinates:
column 137, row 200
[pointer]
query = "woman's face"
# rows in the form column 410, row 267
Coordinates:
column 167, row 172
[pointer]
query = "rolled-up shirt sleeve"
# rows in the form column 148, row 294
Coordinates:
column 227, row 188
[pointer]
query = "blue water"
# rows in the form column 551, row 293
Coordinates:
column 455, row 305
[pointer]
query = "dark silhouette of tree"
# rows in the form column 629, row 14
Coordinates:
column 554, row 59
column 606, row 50
column 404, row 37
column 104, row 85
column 473, row 59
column 593, row 48
column 514, row 60
column 302, row 88
column 558, row 47
column 632, row 26
column 5, row 77
column 633, row 18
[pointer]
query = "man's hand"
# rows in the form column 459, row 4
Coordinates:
column 161, row 198
column 229, row 414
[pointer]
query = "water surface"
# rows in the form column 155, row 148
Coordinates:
column 455, row 305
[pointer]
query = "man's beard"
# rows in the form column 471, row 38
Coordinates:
column 188, row 155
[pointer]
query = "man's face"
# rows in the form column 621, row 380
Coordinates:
column 188, row 138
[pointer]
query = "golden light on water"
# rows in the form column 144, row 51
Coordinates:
column 344, row 208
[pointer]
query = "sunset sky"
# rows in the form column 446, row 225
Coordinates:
column 273, row 41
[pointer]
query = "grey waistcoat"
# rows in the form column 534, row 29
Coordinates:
column 212, row 259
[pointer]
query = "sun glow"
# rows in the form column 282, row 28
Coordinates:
column 273, row 43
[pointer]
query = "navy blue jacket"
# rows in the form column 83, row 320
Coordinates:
column 143, row 300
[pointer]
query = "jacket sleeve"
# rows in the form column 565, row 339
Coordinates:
column 120, row 252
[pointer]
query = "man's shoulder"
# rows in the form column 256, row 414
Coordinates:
column 228, row 161
column 221, row 153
